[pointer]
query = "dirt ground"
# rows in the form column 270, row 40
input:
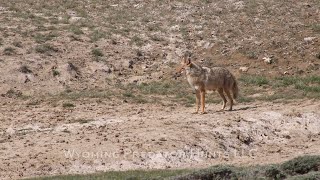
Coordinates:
column 49, row 48
column 109, row 135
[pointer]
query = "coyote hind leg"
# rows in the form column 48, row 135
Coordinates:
column 203, row 97
column 230, row 98
column 220, row 91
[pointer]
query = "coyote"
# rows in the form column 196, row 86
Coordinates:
column 204, row 79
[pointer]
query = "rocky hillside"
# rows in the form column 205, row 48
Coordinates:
column 52, row 46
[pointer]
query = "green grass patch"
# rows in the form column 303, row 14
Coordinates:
column 97, row 35
column 244, row 99
column 68, row 105
column 254, row 80
column 55, row 72
column 121, row 175
column 45, row 49
column 301, row 165
column 287, row 87
column 309, row 84
column 76, row 30
column 75, row 95
column 97, row 52
column 305, row 167
column 316, row 28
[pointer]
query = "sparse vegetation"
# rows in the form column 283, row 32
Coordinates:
column 316, row 28
column 17, row 44
column 97, row 35
column 82, row 120
column 9, row 51
column 45, row 49
column 55, row 72
column 68, row 105
column 137, row 41
column 42, row 38
column 252, row 55
column 11, row 93
column 25, row 69
column 77, row 95
column 76, row 30
column 97, row 52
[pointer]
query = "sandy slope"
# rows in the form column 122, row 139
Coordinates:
column 45, row 140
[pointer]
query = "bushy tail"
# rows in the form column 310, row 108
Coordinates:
column 235, row 89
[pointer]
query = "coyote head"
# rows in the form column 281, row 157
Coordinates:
column 185, row 63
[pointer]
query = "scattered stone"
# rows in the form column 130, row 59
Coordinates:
column 2, row 8
column 107, row 70
column 243, row 69
column 258, row 43
column 144, row 67
column 75, row 19
column 268, row 60
column 71, row 67
column 10, row 131
column 239, row 5
column 130, row 64
column 245, row 138
column 309, row 39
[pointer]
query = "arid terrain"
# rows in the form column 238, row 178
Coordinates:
column 99, row 136
column 87, row 86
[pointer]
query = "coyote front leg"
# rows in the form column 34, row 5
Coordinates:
column 203, row 94
column 197, row 102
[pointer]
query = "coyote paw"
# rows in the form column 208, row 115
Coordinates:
column 196, row 112
column 203, row 113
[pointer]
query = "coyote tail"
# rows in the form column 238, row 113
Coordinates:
column 235, row 89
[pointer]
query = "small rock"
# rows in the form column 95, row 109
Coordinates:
column 71, row 67
column 108, row 70
column 268, row 60
column 10, row 131
column 130, row 64
column 243, row 69
column 144, row 67
column 74, row 19
column 259, row 43
column 309, row 39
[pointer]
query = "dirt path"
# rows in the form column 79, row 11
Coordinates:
column 45, row 140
